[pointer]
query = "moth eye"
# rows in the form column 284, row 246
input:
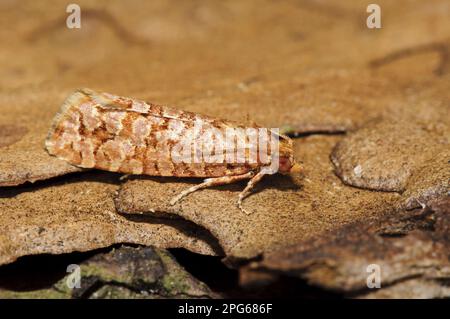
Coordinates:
column 285, row 164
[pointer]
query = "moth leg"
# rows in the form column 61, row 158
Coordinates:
column 210, row 182
column 251, row 183
column 124, row 177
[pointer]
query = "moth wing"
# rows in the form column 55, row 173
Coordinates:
column 112, row 102
column 234, row 142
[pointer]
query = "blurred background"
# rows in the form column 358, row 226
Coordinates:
column 170, row 50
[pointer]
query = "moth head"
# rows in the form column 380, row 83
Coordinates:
column 287, row 163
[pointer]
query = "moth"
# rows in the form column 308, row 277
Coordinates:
column 119, row 134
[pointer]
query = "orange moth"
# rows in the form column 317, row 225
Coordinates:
column 119, row 134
